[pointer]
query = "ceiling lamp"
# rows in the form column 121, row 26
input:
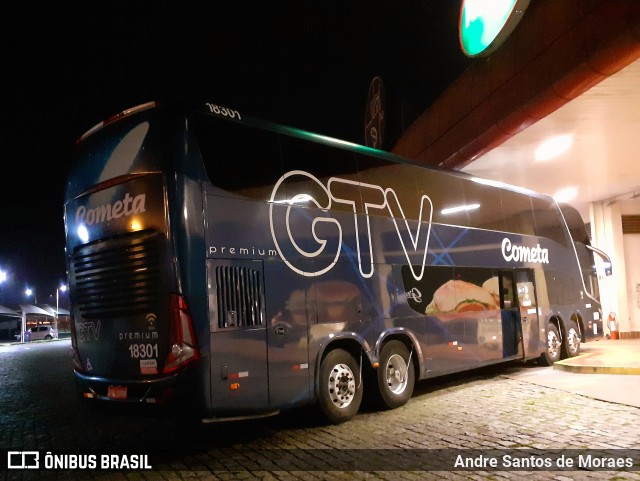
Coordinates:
column 553, row 147
column 566, row 195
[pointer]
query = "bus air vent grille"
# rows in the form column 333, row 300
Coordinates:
column 118, row 277
column 239, row 295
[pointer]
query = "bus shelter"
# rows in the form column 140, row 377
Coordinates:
column 30, row 309
column 9, row 322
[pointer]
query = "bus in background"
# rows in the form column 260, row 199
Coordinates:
column 249, row 267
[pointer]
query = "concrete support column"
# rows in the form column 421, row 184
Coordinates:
column 606, row 234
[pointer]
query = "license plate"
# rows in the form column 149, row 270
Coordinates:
column 117, row 392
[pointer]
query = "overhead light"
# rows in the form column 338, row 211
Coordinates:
column 553, row 147
column 566, row 195
column 460, row 208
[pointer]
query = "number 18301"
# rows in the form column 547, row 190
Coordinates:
column 143, row 351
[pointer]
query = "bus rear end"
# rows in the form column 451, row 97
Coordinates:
column 132, row 333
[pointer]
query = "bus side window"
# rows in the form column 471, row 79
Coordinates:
column 379, row 174
column 484, row 206
column 577, row 227
column 319, row 162
column 518, row 213
column 445, row 192
column 228, row 149
column 548, row 222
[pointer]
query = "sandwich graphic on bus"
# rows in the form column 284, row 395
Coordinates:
column 462, row 296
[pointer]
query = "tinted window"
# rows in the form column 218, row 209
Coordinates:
column 576, row 225
column 518, row 215
column 446, row 192
column 320, row 162
column 548, row 222
column 382, row 174
column 484, row 206
column 240, row 159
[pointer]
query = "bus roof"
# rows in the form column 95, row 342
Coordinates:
column 313, row 137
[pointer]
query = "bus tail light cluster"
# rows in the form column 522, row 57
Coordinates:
column 183, row 341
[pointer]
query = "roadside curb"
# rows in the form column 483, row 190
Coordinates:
column 591, row 369
column 607, row 357
column 18, row 343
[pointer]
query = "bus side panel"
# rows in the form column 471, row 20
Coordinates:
column 290, row 308
column 237, row 236
column 239, row 375
column 187, row 227
column 239, row 381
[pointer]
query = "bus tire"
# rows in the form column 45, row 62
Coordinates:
column 340, row 391
column 573, row 339
column 554, row 346
column 396, row 375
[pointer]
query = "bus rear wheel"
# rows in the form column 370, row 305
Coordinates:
column 340, row 386
column 554, row 346
column 573, row 339
column 396, row 375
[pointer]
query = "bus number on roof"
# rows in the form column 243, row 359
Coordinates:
column 223, row 111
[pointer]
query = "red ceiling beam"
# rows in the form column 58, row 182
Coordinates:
column 559, row 50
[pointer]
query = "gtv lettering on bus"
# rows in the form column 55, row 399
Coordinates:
column 126, row 207
column 517, row 253
column 348, row 192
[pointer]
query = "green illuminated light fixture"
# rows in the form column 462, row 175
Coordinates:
column 485, row 24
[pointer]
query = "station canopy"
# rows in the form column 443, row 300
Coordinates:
column 40, row 310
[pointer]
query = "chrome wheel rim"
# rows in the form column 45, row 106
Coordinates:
column 396, row 374
column 553, row 344
column 342, row 386
column 573, row 340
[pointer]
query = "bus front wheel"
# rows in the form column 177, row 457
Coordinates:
column 396, row 375
column 340, row 386
column 554, row 346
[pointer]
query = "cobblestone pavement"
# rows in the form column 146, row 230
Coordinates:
column 484, row 410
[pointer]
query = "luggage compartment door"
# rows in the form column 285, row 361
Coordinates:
column 239, row 373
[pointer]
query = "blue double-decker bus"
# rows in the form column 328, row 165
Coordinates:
column 249, row 267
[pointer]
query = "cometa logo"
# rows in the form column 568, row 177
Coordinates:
column 515, row 253
column 126, row 207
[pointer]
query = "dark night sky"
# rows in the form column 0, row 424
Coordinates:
column 69, row 65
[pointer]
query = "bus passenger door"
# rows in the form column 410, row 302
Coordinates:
column 527, row 301
column 511, row 325
column 237, row 326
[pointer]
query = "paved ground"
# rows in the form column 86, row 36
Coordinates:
column 489, row 410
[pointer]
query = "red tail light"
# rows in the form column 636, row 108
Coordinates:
column 183, row 343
